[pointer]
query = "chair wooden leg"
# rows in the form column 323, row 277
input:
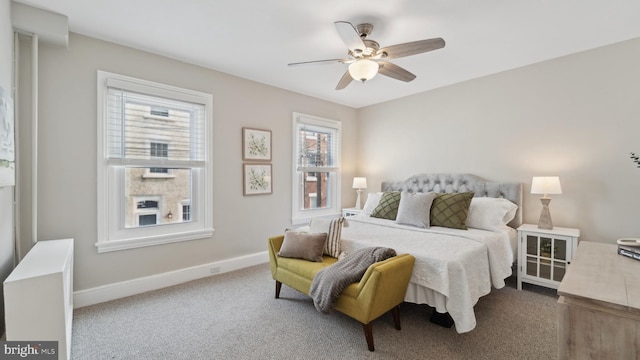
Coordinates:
column 368, row 333
column 278, row 287
column 396, row 316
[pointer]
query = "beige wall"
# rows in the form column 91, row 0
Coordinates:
column 577, row 117
column 67, row 160
column 6, row 193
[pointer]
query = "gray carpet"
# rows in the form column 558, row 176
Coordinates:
column 235, row 316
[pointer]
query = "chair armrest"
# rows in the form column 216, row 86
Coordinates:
column 384, row 284
column 399, row 266
column 274, row 245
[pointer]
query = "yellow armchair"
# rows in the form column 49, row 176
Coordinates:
column 381, row 289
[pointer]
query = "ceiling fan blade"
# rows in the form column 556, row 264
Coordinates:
column 412, row 48
column 350, row 36
column 344, row 81
column 395, row 71
column 322, row 62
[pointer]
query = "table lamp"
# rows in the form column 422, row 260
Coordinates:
column 545, row 185
column 359, row 183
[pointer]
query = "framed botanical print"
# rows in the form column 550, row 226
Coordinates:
column 256, row 144
column 257, row 179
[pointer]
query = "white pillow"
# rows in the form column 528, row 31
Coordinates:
column 414, row 208
column 490, row 213
column 372, row 201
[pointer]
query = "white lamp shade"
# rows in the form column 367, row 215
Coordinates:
column 363, row 70
column 359, row 183
column 546, row 185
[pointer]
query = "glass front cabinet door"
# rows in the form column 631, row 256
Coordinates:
column 544, row 255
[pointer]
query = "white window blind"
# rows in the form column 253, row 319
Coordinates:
column 132, row 125
column 317, row 148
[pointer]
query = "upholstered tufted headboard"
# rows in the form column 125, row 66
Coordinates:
column 455, row 183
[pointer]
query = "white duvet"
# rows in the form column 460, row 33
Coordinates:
column 453, row 268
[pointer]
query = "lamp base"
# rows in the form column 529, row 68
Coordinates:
column 545, row 216
column 358, row 200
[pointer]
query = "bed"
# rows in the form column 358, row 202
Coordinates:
column 454, row 267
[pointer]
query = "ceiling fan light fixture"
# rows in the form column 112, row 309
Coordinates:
column 367, row 58
column 363, row 70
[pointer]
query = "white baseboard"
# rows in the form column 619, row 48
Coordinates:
column 119, row 290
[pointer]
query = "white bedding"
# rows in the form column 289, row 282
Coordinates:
column 453, row 268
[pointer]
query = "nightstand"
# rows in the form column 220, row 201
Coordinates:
column 351, row 212
column 544, row 255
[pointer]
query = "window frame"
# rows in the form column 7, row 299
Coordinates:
column 112, row 234
column 303, row 216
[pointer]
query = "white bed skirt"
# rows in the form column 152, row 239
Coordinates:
column 417, row 294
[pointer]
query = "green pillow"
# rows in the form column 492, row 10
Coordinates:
column 388, row 206
column 451, row 210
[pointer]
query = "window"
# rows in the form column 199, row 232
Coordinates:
column 154, row 159
column 159, row 112
column 316, row 173
column 147, row 211
column 186, row 212
column 159, row 150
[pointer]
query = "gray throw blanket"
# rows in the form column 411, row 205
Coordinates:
column 329, row 282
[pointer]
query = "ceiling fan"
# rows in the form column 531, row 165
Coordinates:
column 366, row 58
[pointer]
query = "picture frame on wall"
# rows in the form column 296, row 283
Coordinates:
column 257, row 179
column 256, row 144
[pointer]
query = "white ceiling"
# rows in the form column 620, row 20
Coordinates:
column 256, row 39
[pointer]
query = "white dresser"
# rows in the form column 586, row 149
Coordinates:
column 38, row 296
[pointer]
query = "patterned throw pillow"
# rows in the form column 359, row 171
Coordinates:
column 388, row 206
column 333, row 228
column 451, row 210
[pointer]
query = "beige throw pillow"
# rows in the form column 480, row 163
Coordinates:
column 301, row 245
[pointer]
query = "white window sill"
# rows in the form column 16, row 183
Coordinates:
column 150, row 175
column 116, row 245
